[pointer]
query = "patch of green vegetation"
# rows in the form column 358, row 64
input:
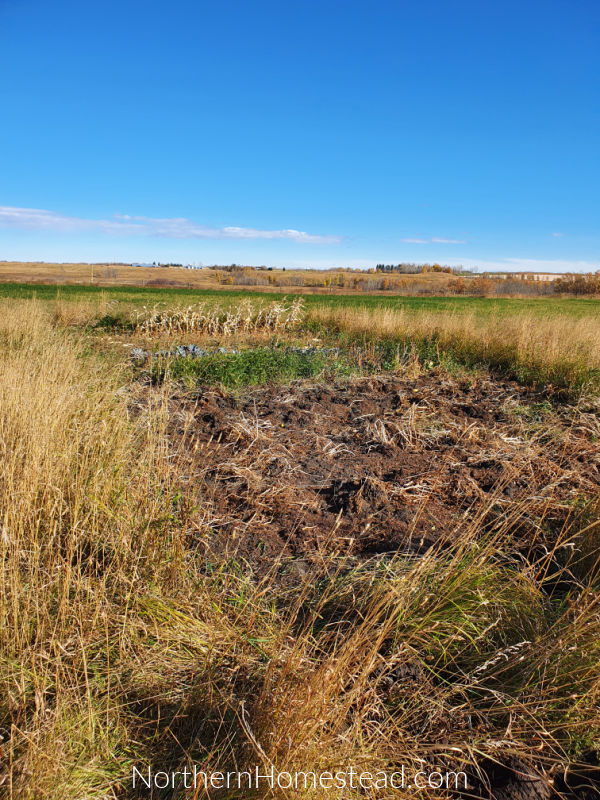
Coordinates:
column 281, row 364
column 113, row 322
column 535, row 412
column 252, row 367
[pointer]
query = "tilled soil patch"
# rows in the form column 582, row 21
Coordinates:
column 379, row 464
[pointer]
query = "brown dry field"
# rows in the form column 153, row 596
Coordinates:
column 175, row 277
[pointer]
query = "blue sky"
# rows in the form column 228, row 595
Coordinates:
column 301, row 132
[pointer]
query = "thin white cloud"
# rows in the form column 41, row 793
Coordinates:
column 557, row 235
column 434, row 240
column 168, row 228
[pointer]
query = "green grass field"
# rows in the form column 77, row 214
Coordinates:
column 549, row 342
column 578, row 307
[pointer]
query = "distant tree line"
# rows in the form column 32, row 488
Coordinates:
column 241, row 268
column 578, row 284
column 421, row 269
column 406, row 269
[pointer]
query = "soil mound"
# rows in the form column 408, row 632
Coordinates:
column 380, row 464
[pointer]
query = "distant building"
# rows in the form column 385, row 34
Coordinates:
column 527, row 276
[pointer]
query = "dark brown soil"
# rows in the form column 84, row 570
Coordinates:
column 516, row 779
column 378, row 464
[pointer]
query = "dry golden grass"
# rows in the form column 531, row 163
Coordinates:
column 69, row 527
column 103, row 274
column 560, row 350
column 298, row 281
column 118, row 644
